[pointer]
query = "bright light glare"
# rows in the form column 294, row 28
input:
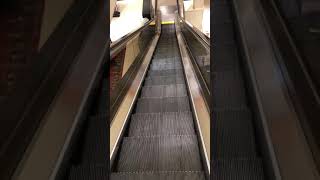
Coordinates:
column 187, row 5
column 206, row 21
column 130, row 19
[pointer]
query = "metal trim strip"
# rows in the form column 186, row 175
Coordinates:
column 200, row 109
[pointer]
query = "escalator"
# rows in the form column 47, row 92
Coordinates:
column 161, row 141
column 236, row 152
column 90, row 159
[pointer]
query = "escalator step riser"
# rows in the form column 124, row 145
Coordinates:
column 156, row 105
column 229, row 91
column 161, row 56
column 143, row 124
column 169, row 62
column 89, row 172
column 166, row 153
column 159, row 176
column 165, row 66
column 233, row 133
column 164, row 80
column 165, row 49
column 226, row 59
column 166, row 60
column 238, row 169
column 224, row 35
column 170, row 72
column 178, row 90
column 222, row 12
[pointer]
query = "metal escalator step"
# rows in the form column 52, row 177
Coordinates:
column 170, row 72
column 95, row 143
column 176, row 175
column 170, row 46
column 173, row 90
column 225, row 34
column 156, row 105
column 226, row 58
column 162, row 62
column 89, row 172
column 164, row 80
column 228, row 90
column 165, row 65
column 166, row 55
column 222, row 12
column 238, row 169
column 166, row 60
column 149, row 124
column 159, row 153
column 233, row 133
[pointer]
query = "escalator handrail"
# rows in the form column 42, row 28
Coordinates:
column 116, row 46
column 199, row 34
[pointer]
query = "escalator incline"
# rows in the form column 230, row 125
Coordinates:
column 236, row 155
column 161, row 142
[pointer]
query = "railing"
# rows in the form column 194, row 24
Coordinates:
column 198, row 45
column 126, row 55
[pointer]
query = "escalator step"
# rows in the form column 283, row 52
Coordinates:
column 164, row 80
column 222, row 11
column 239, row 169
column 165, row 65
column 144, row 124
column 226, row 58
column 162, row 49
column 166, row 60
column 224, row 34
column 228, row 89
column 172, row 90
column 176, row 175
column 161, row 62
column 103, row 102
column 166, row 55
column 95, row 143
column 233, row 133
column 156, row 105
column 89, row 172
column 159, row 153
column 170, row 72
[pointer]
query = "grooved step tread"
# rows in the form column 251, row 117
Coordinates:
column 233, row 133
column 95, row 143
column 226, row 58
column 238, row 169
column 176, row 175
column 165, row 65
column 156, row 105
column 89, row 172
column 170, row 72
column 174, row 90
column 166, row 61
column 159, row 153
column 144, row 124
column 164, row 80
column 228, row 90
